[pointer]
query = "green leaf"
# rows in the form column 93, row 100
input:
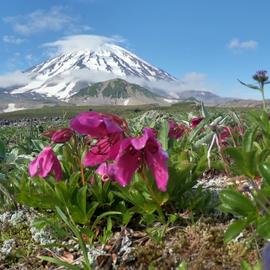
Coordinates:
column 76, row 232
column 82, row 198
column 100, row 217
column 182, row 266
column 245, row 265
column 2, row 151
column 197, row 130
column 163, row 135
column 244, row 161
column 250, row 86
column 59, row 262
column 249, row 139
column 236, row 155
column 92, row 209
column 264, row 170
column 234, row 229
column 236, row 203
column 127, row 215
column 204, row 110
column 263, row 226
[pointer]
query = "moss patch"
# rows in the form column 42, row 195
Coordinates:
column 25, row 252
column 201, row 246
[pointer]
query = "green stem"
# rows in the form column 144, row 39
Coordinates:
column 221, row 152
column 79, row 160
column 263, row 99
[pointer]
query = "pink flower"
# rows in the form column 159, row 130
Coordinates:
column 106, row 171
column 62, row 135
column 196, row 121
column 48, row 133
column 106, row 148
column 224, row 135
column 109, row 131
column 96, row 124
column 134, row 153
column 176, row 131
column 45, row 164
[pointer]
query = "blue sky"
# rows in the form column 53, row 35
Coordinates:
column 210, row 42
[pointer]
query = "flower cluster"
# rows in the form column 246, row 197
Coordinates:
column 176, row 131
column 111, row 151
column 260, row 76
column 117, row 155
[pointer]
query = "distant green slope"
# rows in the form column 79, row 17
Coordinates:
column 116, row 88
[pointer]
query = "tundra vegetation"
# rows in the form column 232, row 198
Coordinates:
column 137, row 189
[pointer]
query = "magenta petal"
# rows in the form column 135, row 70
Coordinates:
column 115, row 147
column 111, row 126
column 157, row 162
column 196, row 121
column 57, row 169
column 45, row 163
column 102, row 169
column 33, row 167
column 106, row 171
column 176, row 131
column 94, row 124
column 88, row 123
column 105, row 149
column 140, row 142
column 126, row 163
column 92, row 159
column 62, row 135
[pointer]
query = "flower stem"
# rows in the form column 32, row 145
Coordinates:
column 221, row 152
column 263, row 98
column 82, row 172
column 79, row 159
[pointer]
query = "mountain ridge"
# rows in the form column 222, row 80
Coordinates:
column 117, row 92
column 61, row 75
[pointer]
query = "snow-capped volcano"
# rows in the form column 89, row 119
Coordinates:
column 67, row 73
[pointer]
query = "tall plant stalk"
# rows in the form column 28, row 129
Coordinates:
column 261, row 78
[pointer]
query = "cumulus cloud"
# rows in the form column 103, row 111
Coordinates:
column 13, row 79
column 80, row 42
column 53, row 19
column 12, row 39
column 236, row 44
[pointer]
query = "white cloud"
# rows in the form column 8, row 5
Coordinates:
column 12, row 39
column 237, row 44
column 190, row 81
column 81, row 42
column 13, row 79
column 195, row 80
column 40, row 21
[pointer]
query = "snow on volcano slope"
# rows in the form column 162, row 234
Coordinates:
column 65, row 74
column 12, row 107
